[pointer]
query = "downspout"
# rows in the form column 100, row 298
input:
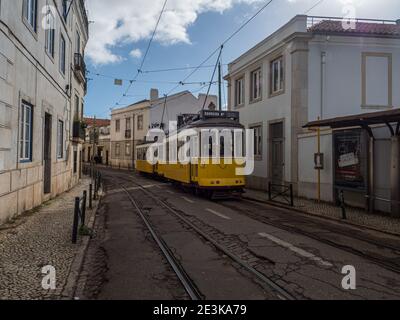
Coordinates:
column 323, row 73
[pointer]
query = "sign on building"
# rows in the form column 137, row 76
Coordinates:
column 351, row 159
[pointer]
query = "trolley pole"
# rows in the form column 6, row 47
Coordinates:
column 220, row 85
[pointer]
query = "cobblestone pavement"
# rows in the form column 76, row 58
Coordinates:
column 39, row 238
column 354, row 215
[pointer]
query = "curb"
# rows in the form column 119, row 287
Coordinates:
column 303, row 212
column 69, row 291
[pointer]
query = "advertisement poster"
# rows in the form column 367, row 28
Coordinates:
column 351, row 159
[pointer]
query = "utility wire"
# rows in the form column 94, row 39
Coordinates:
column 314, row 6
column 212, row 77
column 146, row 53
column 224, row 43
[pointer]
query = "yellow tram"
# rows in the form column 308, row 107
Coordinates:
column 216, row 179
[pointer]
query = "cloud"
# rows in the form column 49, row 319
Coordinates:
column 128, row 21
column 136, row 53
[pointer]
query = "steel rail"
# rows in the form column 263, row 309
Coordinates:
column 389, row 266
column 281, row 292
column 187, row 283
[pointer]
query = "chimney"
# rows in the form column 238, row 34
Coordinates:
column 153, row 94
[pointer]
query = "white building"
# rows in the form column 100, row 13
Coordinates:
column 42, row 89
column 313, row 68
column 130, row 125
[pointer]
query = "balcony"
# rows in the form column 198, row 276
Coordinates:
column 128, row 134
column 80, row 68
column 78, row 131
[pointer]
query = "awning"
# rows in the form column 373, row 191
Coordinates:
column 361, row 120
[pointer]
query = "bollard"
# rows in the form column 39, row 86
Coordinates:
column 90, row 196
column 83, row 218
column 291, row 196
column 76, row 222
column 343, row 205
column 270, row 191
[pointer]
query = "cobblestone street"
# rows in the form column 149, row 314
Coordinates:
column 39, row 238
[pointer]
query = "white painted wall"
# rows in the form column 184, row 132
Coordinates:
column 343, row 77
column 28, row 72
column 181, row 103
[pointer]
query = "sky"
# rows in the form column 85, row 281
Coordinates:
column 188, row 32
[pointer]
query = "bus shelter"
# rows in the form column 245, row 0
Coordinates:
column 353, row 154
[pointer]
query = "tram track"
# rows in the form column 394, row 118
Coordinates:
column 255, row 214
column 187, row 283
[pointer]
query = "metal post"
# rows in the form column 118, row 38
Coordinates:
column 220, row 86
column 270, row 191
column 291, row 195
column 90, row 196
column 343, row 205
column 76, row 221
column 84, row 208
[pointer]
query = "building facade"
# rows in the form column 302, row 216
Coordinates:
column 130, row 125
column 312, row 68
column 42, row 89
column 97, row 145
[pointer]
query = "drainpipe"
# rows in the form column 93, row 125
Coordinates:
column 323, row 73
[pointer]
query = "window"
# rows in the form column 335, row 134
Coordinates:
column 128, row 124
column 239, row 92
column 117, row 149
column 60, row 139
column 50, row 33
column 277, row 76
column 75, row 161
column 62, row 54
column 76, row 115
column 30, row 12
column 64, row 9
column 140, row 123
column 128, row 149
column 78, row 42
column 25, row 139
column 256, row 85
column 117, row 125
column 258, row 140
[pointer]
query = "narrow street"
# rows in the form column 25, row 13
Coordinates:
column 227, row 249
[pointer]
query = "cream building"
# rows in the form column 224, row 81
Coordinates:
column 312, row 68
column 130, row 125
column 42, row 89
column 97, row 145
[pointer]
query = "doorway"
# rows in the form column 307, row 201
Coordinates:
column 277, row 155
column 47, row 153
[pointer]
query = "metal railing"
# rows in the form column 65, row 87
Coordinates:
column 80, row 67
column 281, row 192
column 313, row 20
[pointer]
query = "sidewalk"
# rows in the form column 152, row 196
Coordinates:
column 354, row 216
column 40, row 238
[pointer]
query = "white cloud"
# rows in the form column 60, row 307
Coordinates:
column 127, row 21
column 136, row 53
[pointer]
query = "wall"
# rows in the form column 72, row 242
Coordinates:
column 28, row 73
column 342, row 92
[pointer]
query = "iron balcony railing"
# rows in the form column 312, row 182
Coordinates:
column 84, row 15
column 128, row 134
column 80, row 67
column 78, row 131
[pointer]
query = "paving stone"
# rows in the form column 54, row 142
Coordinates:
column 37, row 239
